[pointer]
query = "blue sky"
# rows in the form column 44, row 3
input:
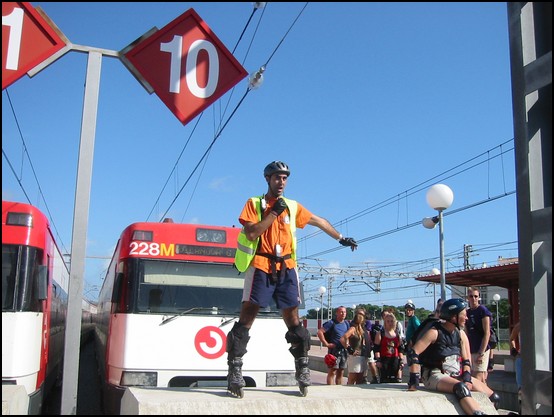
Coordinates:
column 368, row 103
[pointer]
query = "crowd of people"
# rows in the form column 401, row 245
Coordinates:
column 448, row 352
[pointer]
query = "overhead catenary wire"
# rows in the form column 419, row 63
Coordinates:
column 218, row 134
column 353, row 281
column 452, row 172
column 175, row 166
column 35, row 176
column 407, row 226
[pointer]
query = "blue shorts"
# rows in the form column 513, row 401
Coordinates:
column 259, row 288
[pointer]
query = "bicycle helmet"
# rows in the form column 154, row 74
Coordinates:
column 451, row 308
column 409, row 305
column 276, row 167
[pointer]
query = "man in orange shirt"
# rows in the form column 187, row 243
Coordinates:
column 267, row 254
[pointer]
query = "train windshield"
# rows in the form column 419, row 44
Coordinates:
column 20, row 271
column 189, row 288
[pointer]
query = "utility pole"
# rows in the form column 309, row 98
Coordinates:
column 330, row 297
column 467, row 250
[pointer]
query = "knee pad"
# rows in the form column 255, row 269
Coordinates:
column 299, row 338
column 237, row 339
column 413, row 358
column 461, row 391
column 495, row 399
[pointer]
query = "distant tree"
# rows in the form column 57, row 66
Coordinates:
column 503, row 313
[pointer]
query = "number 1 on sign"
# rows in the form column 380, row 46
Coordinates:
column 15, row 22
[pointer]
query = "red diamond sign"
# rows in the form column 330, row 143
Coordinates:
column 27, row 40
column 186, row 65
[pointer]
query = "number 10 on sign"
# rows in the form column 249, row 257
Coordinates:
column 185, row 64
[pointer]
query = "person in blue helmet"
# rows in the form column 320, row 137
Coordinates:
column 440, row 357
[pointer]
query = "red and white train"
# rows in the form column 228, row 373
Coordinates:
column 35, row 282
column 170, row 296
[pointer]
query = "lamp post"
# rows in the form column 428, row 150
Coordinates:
column 322, row 290
column 353, row 311
column 496, row 298
column 435, row 271
column 318, row 324
column 439, row 197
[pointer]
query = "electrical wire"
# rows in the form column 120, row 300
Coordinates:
column 220, row 131
column 26, row 152
column 454, row 171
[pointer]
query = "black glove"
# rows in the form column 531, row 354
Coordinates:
column 414, row 380
column 513, row 351
column 350, row 350
column 466, row 376
column 279, row 206
column 348, row 241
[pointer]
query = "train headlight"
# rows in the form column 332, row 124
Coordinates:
column 139, row 379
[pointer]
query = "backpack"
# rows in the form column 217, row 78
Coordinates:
column 331, row 330
column 373, row 331
column 422, row 328
column 493, row 339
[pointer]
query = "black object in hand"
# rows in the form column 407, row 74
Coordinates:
column 513, row 351
column 348, row 241
column 279, row 206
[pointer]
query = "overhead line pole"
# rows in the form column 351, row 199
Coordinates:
column 80, row 222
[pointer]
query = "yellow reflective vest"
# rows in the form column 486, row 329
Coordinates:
column 246, row 249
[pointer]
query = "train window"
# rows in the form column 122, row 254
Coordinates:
column 144, row 235
column 117, row 287
column 9, row 266
column 42, row 282
column 181, row 286
column 25, row 291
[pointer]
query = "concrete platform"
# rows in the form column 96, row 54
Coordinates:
column 15, row 400
column 384, row 399
column 501, row 380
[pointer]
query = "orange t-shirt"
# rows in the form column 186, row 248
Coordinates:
column 277, row 233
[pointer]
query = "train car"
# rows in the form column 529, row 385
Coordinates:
column 170, row 296
column 35, row 282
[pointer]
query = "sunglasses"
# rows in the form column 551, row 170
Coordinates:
column 472, row 296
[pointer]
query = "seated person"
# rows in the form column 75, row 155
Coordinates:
column 437, row 353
